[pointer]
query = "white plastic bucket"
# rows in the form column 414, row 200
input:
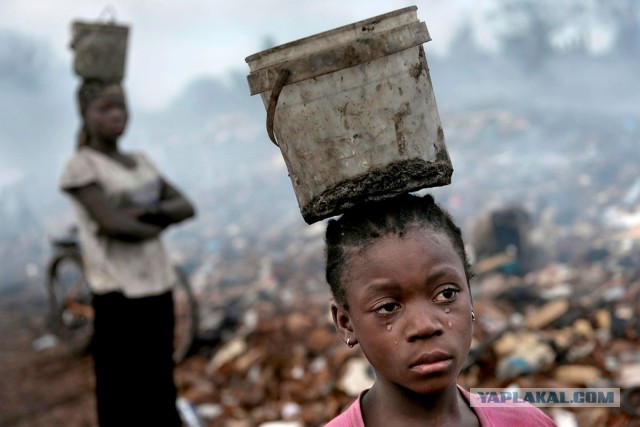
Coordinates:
column 353, row 112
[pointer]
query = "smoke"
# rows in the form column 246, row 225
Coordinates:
column 552, row 131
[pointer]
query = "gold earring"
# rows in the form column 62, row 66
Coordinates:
column 349, row 343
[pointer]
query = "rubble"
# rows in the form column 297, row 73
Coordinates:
column 356, row 377
column 267, row 351
column 577, row 375
column 563, row 318
column 629, row 375
column 546, row 314
column 45, row 342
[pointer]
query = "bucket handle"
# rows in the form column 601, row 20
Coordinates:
column 109, row 10
column 283, row 76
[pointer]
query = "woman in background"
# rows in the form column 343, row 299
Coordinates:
column 123, row 204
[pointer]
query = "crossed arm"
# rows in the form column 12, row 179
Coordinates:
column 135, row 222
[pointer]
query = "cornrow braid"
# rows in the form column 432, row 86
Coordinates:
column 361, row 226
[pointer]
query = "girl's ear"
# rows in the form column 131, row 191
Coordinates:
column 342, row 320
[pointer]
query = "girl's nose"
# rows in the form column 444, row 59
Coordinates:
column 424, row 322
column 119, row 113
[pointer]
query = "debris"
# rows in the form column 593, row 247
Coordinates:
column 229, row 352
column 629, row 375
column 578, row 375
column 209, row 411
column 188, row 413
column 530, row 355
column 564, row 418
column 356, row 377
column 547, row 314
column 44, row 342
column 281, row 424
column 568, row 321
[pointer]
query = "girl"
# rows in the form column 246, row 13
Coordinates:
column 399, row 276
column 123, row 204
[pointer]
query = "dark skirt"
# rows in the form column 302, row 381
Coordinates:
column 132, row 350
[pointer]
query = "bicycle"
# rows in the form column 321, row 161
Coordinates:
column 70, row 300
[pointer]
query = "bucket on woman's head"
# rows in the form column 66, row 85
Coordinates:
column 353, row 112
column 100, row 50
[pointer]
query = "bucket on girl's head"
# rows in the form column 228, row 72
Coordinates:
column 100, row 50
column 353, row 112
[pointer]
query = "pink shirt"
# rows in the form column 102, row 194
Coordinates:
column 488, row 416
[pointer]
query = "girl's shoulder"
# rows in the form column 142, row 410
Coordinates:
column 352, row 417
column 78, row 170
column 522, row 416
column 80, row 155
column 86, row 157
column 96, row 158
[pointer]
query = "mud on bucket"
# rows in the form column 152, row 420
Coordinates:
column 100, row 50
column 353, row 112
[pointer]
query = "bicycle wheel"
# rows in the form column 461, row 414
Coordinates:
column 70, row 302
column 186, row 317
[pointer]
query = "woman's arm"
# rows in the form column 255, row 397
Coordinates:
column 115, row 223
column 172, row 207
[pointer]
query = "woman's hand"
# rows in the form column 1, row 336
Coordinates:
column 134, row 212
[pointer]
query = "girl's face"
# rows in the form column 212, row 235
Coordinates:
column 409, row 309
column 106, row 117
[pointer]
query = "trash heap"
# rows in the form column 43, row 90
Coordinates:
column 269, row 353
column 268, row 349
column 562, row 326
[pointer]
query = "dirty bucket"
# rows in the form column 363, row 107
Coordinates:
column 353, row 113
column 100, row 50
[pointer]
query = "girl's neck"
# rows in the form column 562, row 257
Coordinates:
column 104, row 146
column 403, row 408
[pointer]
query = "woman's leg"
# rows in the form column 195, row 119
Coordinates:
column 154, row 360
column 110, row 357
column 134, row 366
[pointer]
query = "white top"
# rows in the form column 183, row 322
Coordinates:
column 136, row 269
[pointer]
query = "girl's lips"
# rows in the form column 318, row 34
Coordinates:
column 432, row 367
column 431, row 362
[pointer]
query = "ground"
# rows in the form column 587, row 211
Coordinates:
column 50, row 387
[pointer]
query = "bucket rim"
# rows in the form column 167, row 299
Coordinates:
column 338, row 57
column 106, row 25
column 81, row 28
column 288, row 45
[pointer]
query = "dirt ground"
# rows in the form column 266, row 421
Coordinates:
column 53, row 386
column 49, row 387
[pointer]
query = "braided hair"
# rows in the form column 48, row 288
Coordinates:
column 363, row 225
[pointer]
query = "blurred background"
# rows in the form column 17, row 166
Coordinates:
column 539, row 102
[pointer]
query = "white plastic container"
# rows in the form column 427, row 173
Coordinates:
column 353, row 112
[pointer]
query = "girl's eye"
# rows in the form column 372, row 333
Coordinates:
column 387, row 308
column 447, row 295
